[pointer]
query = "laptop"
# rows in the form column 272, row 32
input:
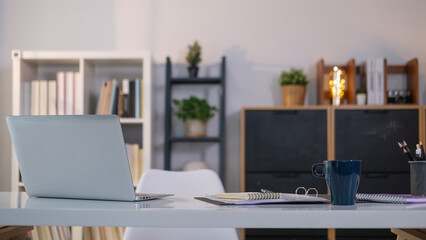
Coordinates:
column 79, row 156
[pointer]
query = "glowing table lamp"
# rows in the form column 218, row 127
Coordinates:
column 337, row 85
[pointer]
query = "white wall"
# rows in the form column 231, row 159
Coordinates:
column 259, row 39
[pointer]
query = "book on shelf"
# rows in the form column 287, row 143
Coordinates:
column 69, row 93
column 380, row 71
column 78, row 94
column 103, row 233
column 115, row 103
column 123, row 98
column 35, row 97
column 60, row 93
column 137, row 97
column 373, row 72
column 95, row 233
column 43, row 97
column 112, row 96
column 132, row 99
column 55, row 232
column 101, row 98
column 86, row 233
column 35, row 233
column 141, row 98
column 51, row 85
column 135, row 157
column 371, row 85
column 391, row 198
column 107, row 99
column 76, row 233
column 126, row 103
column 26, row 98
column 120, row 101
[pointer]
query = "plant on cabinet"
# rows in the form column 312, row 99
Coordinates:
column 293, row 87
column 193, row 58
column 195, row 113
column 361, row 96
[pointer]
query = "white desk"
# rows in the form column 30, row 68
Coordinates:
column 184, row 211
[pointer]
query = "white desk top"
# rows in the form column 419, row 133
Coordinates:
column 184, row 211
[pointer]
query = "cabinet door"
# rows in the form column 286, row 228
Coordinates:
column 284, row 182
column 285, row 140
column 372, row 136
column 396, row 183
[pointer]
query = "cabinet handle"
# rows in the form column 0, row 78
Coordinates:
column 376, row 111
column 285, row 112
column 377, row 175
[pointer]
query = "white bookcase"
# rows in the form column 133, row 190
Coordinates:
column 94, row 68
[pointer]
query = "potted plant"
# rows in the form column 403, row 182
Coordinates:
column 361, row 96
column 293, row 87
column 193, row 58
column 195, row 113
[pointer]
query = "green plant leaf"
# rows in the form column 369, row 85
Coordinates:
column 193, row 57
column 195, row 108
column 294, row 76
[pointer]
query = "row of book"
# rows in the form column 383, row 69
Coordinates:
column 374, row 73
column 102, row 233
column 123, row 98
column 135, row 156
column 61, row 96
column 76, row 233
column 51, row 233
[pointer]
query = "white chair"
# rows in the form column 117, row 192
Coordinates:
column 198, row 182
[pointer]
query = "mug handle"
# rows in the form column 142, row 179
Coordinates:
column 314, row 171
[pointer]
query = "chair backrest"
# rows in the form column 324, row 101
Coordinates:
column 201, row 182
column 198, row 182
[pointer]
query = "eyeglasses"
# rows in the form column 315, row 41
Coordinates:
column 306, row 191
column 299, row 189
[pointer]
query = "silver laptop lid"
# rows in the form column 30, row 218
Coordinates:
column 72, row 156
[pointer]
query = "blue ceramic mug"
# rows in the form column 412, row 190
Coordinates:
column 342, row 178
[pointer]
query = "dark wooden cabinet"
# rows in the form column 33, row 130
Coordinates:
column 279, row 146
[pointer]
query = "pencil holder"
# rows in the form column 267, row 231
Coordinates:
column 418, row 178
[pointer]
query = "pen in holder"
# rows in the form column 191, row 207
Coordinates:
column 418, row 178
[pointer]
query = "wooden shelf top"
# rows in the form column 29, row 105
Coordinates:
column 325, row 107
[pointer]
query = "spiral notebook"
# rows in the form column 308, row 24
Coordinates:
column 390, row 198
column 248, row 198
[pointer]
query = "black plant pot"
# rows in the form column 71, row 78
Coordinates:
column 193, row 72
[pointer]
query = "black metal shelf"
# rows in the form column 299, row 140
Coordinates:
column 196, row 80
column 220, row 139
column 195, row 139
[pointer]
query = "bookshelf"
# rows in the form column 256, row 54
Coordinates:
column 410, row 69
column 94, row 68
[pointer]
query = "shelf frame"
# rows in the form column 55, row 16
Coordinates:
column 411, row 69
column 196, row 80
column 169, row 139
column 195, row 139
column 25, row 68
